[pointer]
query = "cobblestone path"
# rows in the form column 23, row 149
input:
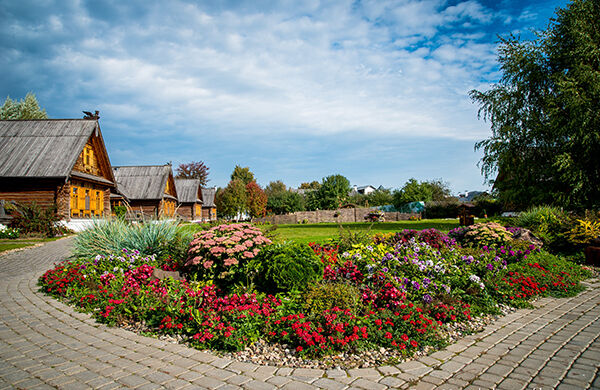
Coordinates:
column 45, row 344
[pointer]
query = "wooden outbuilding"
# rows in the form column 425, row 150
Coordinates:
column 190, row 199
column 59, row 163
column 149, row 189
column 209, row 208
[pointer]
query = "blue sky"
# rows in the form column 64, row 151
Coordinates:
column 374, row 90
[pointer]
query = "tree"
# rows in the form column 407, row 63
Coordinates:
column 256, row 200
column 243, row 174
column 194, row 170
column 285, row 202
column 313, row 185
column 27, row 108
column 332, row 192
column 275, row 187
column 231, row 201
column 440, row 190
column 380, row 197
column 543, row 114
column 412, row 191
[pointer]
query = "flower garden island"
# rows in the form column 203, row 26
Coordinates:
column 376, row 300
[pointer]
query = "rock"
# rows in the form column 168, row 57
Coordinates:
column 527, row 235
column 161, row 275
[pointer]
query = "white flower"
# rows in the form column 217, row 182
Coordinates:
column 474, row 278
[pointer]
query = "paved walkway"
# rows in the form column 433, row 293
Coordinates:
column 45, row 344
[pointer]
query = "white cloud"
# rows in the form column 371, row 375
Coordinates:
column 381, row 67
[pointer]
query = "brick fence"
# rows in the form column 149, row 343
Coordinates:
column 340, row 215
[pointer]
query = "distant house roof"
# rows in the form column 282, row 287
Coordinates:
column 208, row 197
column 187, row 190
column 147, row 182
column 45, row 147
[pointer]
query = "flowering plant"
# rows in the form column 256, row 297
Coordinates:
column 488, row 234
column 11, row 233
column 221, row 252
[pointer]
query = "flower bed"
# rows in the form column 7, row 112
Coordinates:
column 398, row 293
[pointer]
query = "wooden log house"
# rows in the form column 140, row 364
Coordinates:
column 149, row 189
column 59, row 163
column 190, row 199
column 209, row 208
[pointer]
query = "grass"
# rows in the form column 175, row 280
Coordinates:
column 320, row 232
column 23, row 242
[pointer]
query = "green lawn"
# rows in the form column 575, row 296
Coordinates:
column 6, row 244
column 320, row 232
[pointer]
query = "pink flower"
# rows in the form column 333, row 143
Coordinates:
column 248, row 255
column 208, row 263
column 230, row 261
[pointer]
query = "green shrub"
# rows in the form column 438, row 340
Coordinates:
column 110, row 236
column 540, row 215
column 586, row 230
column 120, row 211
column 551, row 224
column 442, row 209
column 347, row 238
column 486, row 205
column 325, row 296
column 287, row 266
column 31, row 218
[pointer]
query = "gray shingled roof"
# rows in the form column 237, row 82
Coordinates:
column 42, row 148
column 142, row 182
column 187, row 190
column 208, row 197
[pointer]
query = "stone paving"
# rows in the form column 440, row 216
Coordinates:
column 46, row 344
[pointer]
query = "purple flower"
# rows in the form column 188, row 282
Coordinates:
column 426, row 282
column 416, row 285
column 385, row 269
column 490, row 267
column 427, row 298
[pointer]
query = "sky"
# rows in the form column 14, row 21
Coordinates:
column 296, row 90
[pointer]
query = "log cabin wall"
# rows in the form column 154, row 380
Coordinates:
column 186, row 211
column 63, row 201
column 27, row 191
column 145, row 208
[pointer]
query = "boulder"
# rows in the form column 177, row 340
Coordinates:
column 527, row 235
column 160, row 274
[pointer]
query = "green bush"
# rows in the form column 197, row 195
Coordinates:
column 120, row 211
column 31, row 218
column 325, row 296
column 551, row 224
column 442, row 209
column 110, row 236
column 347, row 238
column 287, row 266
column 486, row 205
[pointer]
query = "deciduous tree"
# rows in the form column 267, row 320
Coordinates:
column 543, row 113
column 231, row 200
column 243, row 174
column 194, row 170
column 256, row 200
